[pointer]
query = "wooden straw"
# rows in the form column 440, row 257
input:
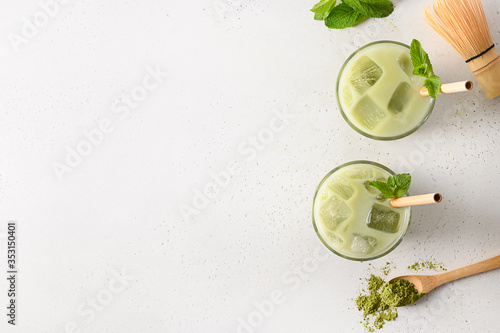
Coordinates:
column 416, row 200
column 450, row 88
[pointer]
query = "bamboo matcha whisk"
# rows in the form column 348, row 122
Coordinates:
column 463, row 25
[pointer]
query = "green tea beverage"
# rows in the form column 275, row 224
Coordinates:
column 377, row 93
column 352, row 218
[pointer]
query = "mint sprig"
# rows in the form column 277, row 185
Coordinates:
column 422, row 66
column 350, row 12
column 395, row 187
column 433, row 85
column 323, row 8
column 343, row 16
column 371, row 8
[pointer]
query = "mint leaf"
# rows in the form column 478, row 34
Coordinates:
column 433, row 85
column 421, row 70
column 403, row 180
column 395, row 187
column 391, row 182
column 371, row 8
column 323, row 8
column 420, row 59
column 399, row 192
column 385, row 189
column 422, row 67
column 343, row 16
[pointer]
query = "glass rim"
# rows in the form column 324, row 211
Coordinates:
column 360, row 131
column 343, row 255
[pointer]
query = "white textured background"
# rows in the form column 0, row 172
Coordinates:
column 231, row 67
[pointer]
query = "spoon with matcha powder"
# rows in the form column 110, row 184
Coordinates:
column 406, row 289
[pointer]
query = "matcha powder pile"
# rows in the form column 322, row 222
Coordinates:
column 379, row 302
column 399, row 293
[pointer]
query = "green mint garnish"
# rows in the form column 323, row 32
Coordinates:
column 350, row 12
column 433, row 85
column 384, row 188
column 420, row 59
column 343, row 16
column 422, row 66
column 323, row 8
column 395, row 187
column 371, row 8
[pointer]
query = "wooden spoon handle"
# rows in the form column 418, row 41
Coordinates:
column 476, row 268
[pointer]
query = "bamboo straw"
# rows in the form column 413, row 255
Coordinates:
column 417, row 200
column 450, row 88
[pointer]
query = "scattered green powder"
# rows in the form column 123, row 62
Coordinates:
column 399, row 293
column 380, row 300
column 427, row 264
column 375, row 312
column 387, row 268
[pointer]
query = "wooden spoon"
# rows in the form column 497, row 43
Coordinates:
column 425, row 283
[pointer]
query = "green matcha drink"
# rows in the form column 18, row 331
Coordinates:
column 377, row 93
column 352, row 218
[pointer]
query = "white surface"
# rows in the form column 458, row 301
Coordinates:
column 230, row 70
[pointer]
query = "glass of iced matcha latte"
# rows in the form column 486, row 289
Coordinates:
column 377, row 93
column 352, row 218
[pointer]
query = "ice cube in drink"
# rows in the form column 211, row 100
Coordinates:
column 365, row 73
column 383, row 218
column 400, row 98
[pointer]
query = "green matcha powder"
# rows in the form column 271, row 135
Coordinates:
column 427, row 264
column 380, row 300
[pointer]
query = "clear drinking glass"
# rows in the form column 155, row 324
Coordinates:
column 349, row 216
column 377, row 93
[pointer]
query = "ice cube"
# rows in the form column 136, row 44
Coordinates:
column 334, row 238
column 367, row 113
column 406, row 65
column 333, row 212
column 371, row 240
column 383, row 218
column 400, row 98
column 347, row 94
column 363, row 244
column 342, row 187
column 365, row 73
column 359, row 173
column 324, row 194
column 381, row 197
column 370, row 189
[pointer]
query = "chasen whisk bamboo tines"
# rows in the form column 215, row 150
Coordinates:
column 463, row 25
